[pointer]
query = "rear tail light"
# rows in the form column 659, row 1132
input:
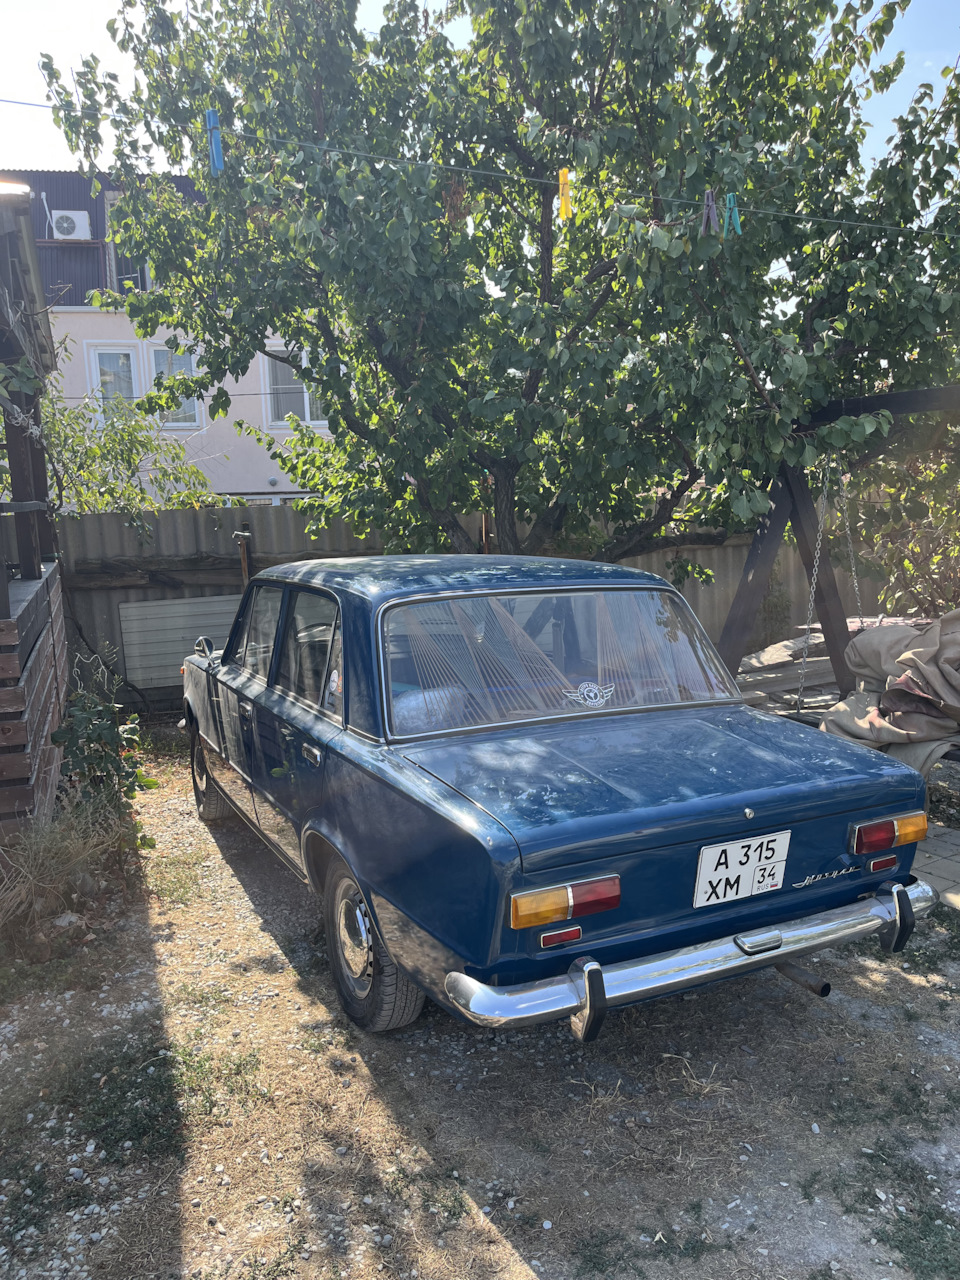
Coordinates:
column 564, row 902
column 887, row 833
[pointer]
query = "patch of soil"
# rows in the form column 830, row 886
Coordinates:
column 943, row 788
column 188, row 1100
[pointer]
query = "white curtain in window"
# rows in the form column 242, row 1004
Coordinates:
column 289, row 395
column 116, row 375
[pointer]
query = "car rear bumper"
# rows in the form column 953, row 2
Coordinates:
column 585, row 992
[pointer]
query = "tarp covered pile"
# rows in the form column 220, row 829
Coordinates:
column 907, row 701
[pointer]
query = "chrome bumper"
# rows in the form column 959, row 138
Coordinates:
column 588, row 989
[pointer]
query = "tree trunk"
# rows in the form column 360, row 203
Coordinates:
column 505, row 508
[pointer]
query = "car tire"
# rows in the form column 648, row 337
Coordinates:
column 212, row 805
column 372, row 991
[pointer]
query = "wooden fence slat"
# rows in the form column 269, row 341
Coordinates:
column 22, row 800
column 16, row 699
column 9, row 666
column 14, row 764
column 13, row 733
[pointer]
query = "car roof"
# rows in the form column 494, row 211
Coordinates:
column 382, row 578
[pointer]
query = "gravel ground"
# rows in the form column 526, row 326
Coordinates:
column 180, row 1096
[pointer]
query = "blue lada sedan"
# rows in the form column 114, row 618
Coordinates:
column 529, row 789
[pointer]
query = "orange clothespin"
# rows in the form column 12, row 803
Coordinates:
column 566, row 210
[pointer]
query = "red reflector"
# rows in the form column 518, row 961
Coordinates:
column 591, row 896
column 874, row 836
column 883, row 864
column 559, row 936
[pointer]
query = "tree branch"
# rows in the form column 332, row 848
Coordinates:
column 602, row 298
column 626, row 543
column 751, row 371
column 445, row 518
column 545, row 528
column 639, row 542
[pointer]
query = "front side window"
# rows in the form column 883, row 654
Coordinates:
column 288, row 395
column 491, row 660
column 115, row 371
column 303, row 663
column 166, row 364
column 255, row 648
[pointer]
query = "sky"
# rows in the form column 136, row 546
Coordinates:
column 929, row 34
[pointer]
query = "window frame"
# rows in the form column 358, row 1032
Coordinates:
column 542, row 589
column 129, row 349
column 282, row 423
column 337, row 628
column 167, row 423
column 240, row 628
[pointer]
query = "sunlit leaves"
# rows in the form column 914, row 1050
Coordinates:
column 387, row 213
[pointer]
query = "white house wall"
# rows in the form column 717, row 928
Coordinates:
column 234, row 464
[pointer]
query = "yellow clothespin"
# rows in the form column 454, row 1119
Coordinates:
column 566, row 211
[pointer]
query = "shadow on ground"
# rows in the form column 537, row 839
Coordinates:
column 727, row 1131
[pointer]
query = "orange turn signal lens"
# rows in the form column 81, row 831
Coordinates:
column 539, row 906
column 911, row 827
column 887, row 833
column 583, row 898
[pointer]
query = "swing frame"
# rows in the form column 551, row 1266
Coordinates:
column 792, row 502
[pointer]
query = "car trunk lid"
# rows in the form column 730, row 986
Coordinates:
column 643, row 794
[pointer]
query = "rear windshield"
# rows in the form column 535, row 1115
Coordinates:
column 491, row 660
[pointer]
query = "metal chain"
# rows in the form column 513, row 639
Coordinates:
column 813, row 584
column 853, row 559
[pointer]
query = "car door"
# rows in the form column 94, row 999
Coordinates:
column 296, row 717
column 242, row 676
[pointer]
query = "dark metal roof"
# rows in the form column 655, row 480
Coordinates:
column 71, row 269
column 380, row 578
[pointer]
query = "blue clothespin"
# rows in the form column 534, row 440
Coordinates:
column 213, row 137
column 732, row 213
column 709, row 213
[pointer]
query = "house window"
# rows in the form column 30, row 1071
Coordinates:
column 289, row 395
column 166, row 364
column 116, row 375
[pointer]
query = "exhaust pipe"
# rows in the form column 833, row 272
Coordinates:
column 804, row 978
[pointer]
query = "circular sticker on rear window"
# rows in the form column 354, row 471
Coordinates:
column 334, row 682
column 590, row 694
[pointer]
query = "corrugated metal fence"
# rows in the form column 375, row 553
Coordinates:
column 141, row 603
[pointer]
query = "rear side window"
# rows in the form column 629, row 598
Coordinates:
column 302, row 667
column 255, row 648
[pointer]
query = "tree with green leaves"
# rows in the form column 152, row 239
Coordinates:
column 103, row 456
column 905, row 511
column 113, row 456
column 623, row 379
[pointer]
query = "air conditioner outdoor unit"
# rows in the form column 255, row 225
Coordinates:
column 70, row 224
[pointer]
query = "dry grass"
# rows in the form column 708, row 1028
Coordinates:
column 40, row 868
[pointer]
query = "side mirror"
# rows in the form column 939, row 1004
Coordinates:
column 203, row 648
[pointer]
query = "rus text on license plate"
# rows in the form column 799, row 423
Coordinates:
column 740, row 868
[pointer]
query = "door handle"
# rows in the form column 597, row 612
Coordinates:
column 246, row 710
column 312, row 755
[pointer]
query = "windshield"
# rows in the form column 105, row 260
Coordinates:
column 491, row 660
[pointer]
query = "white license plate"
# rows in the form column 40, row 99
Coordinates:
column 740, row 868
